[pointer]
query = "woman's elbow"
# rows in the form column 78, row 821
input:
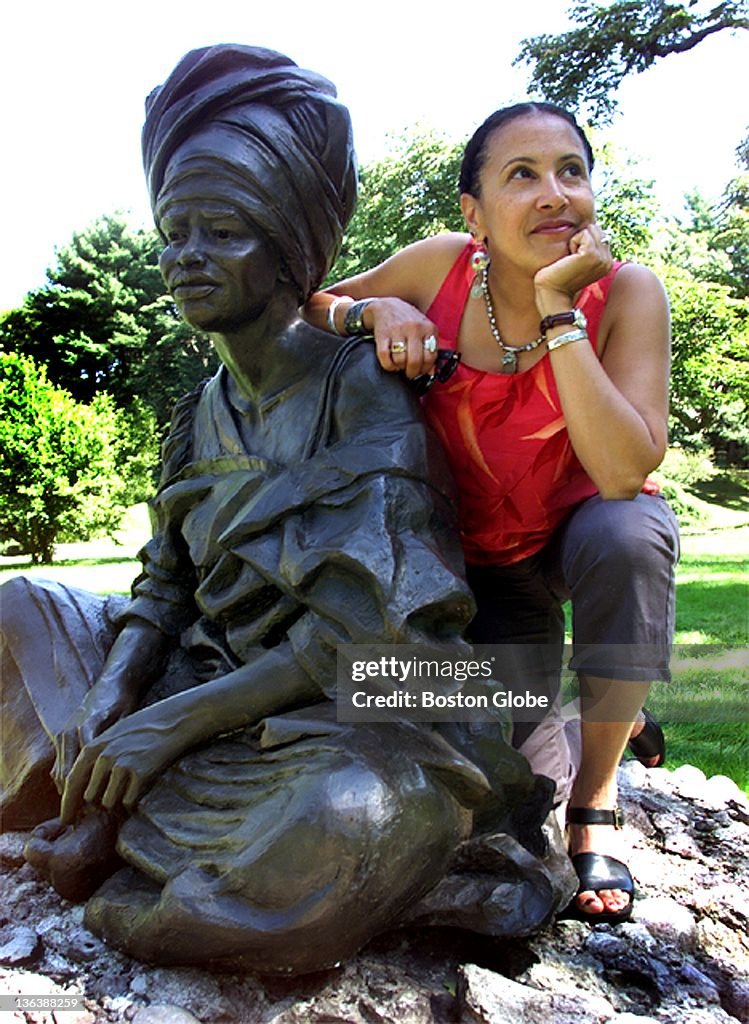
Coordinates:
column 624, row 484
column 620, row 491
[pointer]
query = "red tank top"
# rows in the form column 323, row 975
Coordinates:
column 505, row 437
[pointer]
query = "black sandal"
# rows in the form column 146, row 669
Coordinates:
column 649, row 743
column 596, row 871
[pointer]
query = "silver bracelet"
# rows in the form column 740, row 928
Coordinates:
column 567, row 338
column 353, row 322
column 331, row 313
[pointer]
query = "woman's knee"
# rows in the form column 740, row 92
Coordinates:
column 620, row 538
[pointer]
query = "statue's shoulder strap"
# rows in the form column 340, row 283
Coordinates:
column 323, row 427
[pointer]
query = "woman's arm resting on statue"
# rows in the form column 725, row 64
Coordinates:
column 120, row 764
column 401, row 289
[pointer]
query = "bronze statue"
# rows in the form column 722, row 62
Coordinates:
column 302, row 505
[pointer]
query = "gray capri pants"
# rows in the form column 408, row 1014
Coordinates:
column 615, row 560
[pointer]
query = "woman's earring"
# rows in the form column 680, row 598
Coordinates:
column 479, row 262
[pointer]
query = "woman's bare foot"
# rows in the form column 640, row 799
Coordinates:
column 75, row 858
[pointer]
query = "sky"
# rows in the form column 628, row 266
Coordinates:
column 74, row 77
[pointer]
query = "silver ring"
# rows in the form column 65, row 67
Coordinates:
column 430, row 344
column 397, row 347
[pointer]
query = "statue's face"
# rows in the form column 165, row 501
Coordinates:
column 219, row 268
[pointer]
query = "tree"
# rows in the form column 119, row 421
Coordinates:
column 710, row 369
column 408, row 195
column 102, row 323
column 58, row 461
column 730, row 234
column 413, row 193
column 703, row 261
column 583, row 68
column 626, row 204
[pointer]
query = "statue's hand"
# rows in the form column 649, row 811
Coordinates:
column 104, row 705
column 120, row 764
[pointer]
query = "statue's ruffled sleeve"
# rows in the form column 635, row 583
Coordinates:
column 374, row 556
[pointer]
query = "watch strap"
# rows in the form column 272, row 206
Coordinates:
column 575, row 317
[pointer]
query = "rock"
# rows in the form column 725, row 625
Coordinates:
column 681, row 843
column 700, row 987
column 724, row 790
column 139, row 985
column 489, row 998
column 667, row 921
column 19, row 946
column 688, row 1015
column 84, row 945
column 164, row 1015
column 605, row 945
column 11, row 849
column 682, row 959
column 199, row 990
column 369, row 992
column 735, row 998
column 632, row 1018
column 687, row 778
column 119, row 1007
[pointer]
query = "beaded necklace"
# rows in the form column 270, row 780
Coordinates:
column 509, row 352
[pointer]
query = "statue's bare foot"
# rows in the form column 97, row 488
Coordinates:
column 75, row 858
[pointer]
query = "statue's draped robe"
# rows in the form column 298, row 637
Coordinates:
column 288, row 844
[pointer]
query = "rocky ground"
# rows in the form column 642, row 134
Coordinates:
column 683, row 959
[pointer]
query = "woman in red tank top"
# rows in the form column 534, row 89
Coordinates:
column 552, row 421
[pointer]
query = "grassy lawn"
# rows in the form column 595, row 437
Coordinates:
column 704, row 711
column 706, row 708
column 100, row 566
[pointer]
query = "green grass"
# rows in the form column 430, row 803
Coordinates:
column 704, row 710
column 105, row 566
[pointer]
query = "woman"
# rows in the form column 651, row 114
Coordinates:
column 302, row 505
column 552, row 421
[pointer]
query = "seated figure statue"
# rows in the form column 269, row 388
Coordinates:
column 178, row 754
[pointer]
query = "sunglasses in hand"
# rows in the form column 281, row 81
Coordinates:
column 443, row 369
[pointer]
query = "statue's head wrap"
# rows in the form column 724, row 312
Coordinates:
column 275, row 137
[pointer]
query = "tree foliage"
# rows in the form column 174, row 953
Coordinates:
column 58, row 461
column 703, row 261
column 102, row 322
column 410, row 194
column 710, row 369
column 583, row 68
column 625, row 203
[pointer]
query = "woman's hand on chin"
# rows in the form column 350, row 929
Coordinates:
column 589, row 259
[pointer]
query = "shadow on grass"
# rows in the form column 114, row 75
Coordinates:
column 728, row 489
